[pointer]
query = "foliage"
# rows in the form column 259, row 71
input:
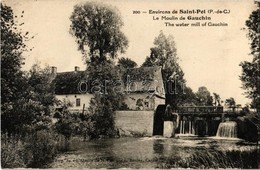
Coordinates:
column 72, row 124
column 164, row 54
column 251, row 70
column 253, row 29
column 217, row 99
column 26, row 98
column 42, row 88
column 206, row 158
column 32, row 111
column 96, row 27
column 188, row 97
column 204, row 97
column 102, row 112
column 13, row 83
column 254, row 118
column 126, row 63
column 12, row 150
column 35, row 150
column 231, row 103
column 67, row 125
column 42, row 148
column 106, row 99
column 105, row 80
column 12, row 46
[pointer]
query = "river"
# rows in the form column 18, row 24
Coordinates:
column 159, row 152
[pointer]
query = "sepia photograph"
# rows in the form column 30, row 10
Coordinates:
column 132, row 84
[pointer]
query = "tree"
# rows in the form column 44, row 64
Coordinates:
column 107, row 98
column 14, row 83
column 251, row 70
column 216, row 99
column 96, row 28
column 204, row 97
column 188, row 97
column 231, row 103
column 67, row 125
column 40, row 81
column 32, row 111
column 126, row 63
column 12, row 47
column 164, row 54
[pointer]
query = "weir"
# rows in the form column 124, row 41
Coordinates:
column 198, row 120
column 187, row 127
column 227, row 130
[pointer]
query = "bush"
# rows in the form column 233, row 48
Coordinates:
column 12, row 150
column 36, row 150
column 102, row 116
column 42, row 149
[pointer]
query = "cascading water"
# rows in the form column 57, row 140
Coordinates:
column 187, row 127
column 227, row 129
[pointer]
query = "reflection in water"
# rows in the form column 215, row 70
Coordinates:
column 159, row 152
column 157, row 147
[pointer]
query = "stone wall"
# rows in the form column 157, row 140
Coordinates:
column 134, row 123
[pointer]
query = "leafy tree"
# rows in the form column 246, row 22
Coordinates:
column 102, row 116
column 96, row 28
column 188, row 97
column 126, row 63
column 25, row 102
column 32, row 111
column 231, row 103
column 12, row 47
column 203, row 96
column 164, row 54
column 67, row 125
column 107, row 98
column 14, row 83
column 40, row 81
column 216, row 99
column 251, row 70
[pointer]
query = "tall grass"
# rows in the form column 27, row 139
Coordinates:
column 35, row 150
column 206, row 158
column 12, row 151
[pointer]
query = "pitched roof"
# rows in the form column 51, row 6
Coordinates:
column 143, row 79
column 67, row 82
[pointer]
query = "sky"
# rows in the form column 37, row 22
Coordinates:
column 209, row 56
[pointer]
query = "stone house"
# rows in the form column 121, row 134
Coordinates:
column 143, row 88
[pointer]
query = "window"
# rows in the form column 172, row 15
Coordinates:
column 77, row 102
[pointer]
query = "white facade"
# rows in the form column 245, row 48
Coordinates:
column 78, row 101
column 142, row 101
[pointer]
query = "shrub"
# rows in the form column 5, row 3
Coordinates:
column 11, row 152
column 102, row 117
column 41, row 148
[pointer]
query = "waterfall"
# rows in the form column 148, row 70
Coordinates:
column 227, row 129
column 187, row 127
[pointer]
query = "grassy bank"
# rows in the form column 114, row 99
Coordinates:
column 35, row 150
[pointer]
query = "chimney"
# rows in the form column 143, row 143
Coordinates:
column 53, row 70
column 76, row 68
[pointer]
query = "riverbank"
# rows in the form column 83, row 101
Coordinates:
column 159, row 152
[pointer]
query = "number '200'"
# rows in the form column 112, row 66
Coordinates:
column 136, row 12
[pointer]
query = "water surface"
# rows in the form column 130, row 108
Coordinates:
column 159, row 152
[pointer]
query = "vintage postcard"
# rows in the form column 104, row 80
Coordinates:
column 130, row 84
